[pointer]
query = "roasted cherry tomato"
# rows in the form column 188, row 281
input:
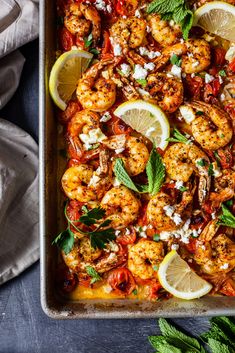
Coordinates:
column 154, row 290
column 225, row 157
column 119, row 127
column 194, row 86
column 231, row 66
column 191, row 246
column 73, row 211
column 72, row 108
column 66, row 280
column 122, row 281
column 228, row 288
column 218, row 56
column 128, row 236
column 66, row 39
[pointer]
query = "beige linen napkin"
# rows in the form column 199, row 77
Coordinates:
column 18, row 201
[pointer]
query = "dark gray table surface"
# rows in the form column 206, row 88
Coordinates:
column 24, row 328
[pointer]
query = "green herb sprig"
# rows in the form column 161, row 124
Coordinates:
column 155, row 171
column 176, row 10
column 99, row 237
column 178, row 137
column 226, row 218
column 175, row 60
column 93, row 274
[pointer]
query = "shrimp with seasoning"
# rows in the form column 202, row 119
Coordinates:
column 138, row 155
column 224, row 186
column 143, row 256
column 128, row 32
column 166, row 91
column 80, row 17
column 213, row 129
column 214, row 253
column 162, row 31
column 121, row 206
column 195, row 54
column 182, row 160
column 94, row 92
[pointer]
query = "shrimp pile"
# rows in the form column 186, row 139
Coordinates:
column 142, row 56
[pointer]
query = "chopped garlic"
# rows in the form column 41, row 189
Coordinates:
column 177, row 218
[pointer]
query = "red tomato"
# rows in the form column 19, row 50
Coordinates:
column 120, row 9
column 218, row 56
column 194, row 86
column 106, row 43
column 208, row 208
column 80, row 43
column 126, row 239
column 226, row 157
column 122, row 281
column 231, row 66
column 154, row 290
column 84, row 281
column 228, row 288
column 73, row 211
column 73, row 162
column 72, row 108
column 119, row 127
column 66, row 280
column 66, row 39
column 191, row 246
column 215, row 87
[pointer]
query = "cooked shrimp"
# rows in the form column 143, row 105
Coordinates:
column 166, row 91
column 181, row 161
column 121, row 206
column 80, row 17
column 224, row 186
column 75, row 183
column 213, row 129
column 136, row 156
column 81, row 255
column 163, row 214
column 195, row 55
column 162, row 31
column 143, row 257
column 95, row 92
column 128, row 32
column 214, row 253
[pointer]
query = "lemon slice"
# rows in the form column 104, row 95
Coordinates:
column 179, row 279
column 217, row 17
column 65, row 74
column 146, row 118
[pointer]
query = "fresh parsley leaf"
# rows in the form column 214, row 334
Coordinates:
column 179, row 339
column 175, row 60
column 94, row 51
column 142, row 82
column 178, row 137
column 201, row 162
column 88, row 40
column 228, row 203
column 156, row 237
column 227, row 218
column 199, row 113
column 211, row 170
column 92, row 216
column 92, row 273
column 155, row 172
column 183, row 188
column 222, row 73
column 135, row 292
column 99, row 239
column 65, row 240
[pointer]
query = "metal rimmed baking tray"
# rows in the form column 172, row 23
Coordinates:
column 52, row 303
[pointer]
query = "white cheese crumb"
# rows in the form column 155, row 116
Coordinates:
column 184, row 75
column 107, row 289
column 143, row 92
column 195, row 233
column 117, row 50
column 143, row 235
column 220, row 80
column 149, row 66
column 112, row 256
column 222, row 97
column 93, row 136
column 126, row 69
column 137, row 13
column 195, row 64
column 169, row 210
column 174, row 246
column 140, row 73
column 119, row 150
column 148, row 29
column 116, row 182
column 106, row 117
column 187, row 113
column 216, row 170
column 181, row 40
column 179, row 184
column 109, row 8
column 172, row 23
column 213, row 215
column 209, row 78
column 224, row 266
column 94, row 180
column 190, row 55
column 177, row 218
column 176, row 71
column 100, row 5
column 127, row 232
column 154, row 54
column 117, row 232
column 193, row 75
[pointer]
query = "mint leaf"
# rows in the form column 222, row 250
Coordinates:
column 65, row 241
column 178, row 137
column 226, row 323
column 93, row 274
column 160, row 343
column 163, row 6
column 227, row 218
column 155, row 172
column 179, row 339
column 186, row 24
column 218, row 347
column 94, row 51
column 175, row 60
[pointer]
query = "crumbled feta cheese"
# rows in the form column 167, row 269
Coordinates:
column 220, row 80
column 119, row 150
column 137, row 13
column 106, row 117
column 195, row 233
column 74, row 47
column 143, row 235
column 100, row 5
column 149, row 131
column 230, row 55
column 179, row 184
column 195, row 64
column 144, row 228
column 187, row 113
column 176, row 71
column 222, row 97
column 181, row 40
column 224, row 266
column 126, row 69
column 216, row 170
column 143, row 51
column 174, row 246
column 128, row 232
column 150, row 54
column 112, row 256
column 183, row 234
column 116, row 182
column 165, row 236
column 93, row 136
column 213, row 215
column 190, row 55
column 149, row 66
column 148, row 29
column 143, row 92
column 107, row 289
column 177, row 218
column 193, row 75
column 117, row 50
column 113, row 246
column 139, row 72
column 117, row 232
column 169, row 210
column 172, row 23
column 109, row 8
column 94, row 180
column 209, row 78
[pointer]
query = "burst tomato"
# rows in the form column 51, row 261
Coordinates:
column 122, row 281
column 154, row 290
column 218, row 56
column 191, row 246
column 228, row 288
column 194, row 86
column 119, row 127
column 72, row 108
column 126, row 238
column 66, row 39
column 226, row 157
column 66, row 280
column 73, row 211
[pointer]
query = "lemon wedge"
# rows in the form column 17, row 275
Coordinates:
column 146, row 118
column 65, row 74
column 217, row 17
column 180, row 280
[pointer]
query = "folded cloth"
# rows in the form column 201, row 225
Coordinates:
column 18, row 201
column 18, row 25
